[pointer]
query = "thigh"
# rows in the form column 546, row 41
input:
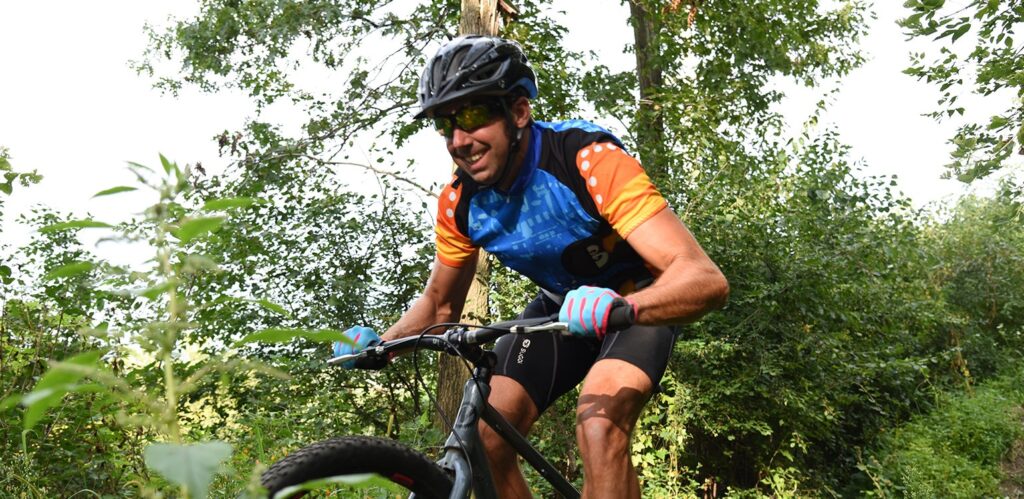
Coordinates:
column 545, row 365
column 648, row 348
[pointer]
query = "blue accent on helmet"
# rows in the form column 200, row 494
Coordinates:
column 528, row 85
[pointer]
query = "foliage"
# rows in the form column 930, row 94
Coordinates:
column 980, row 255
column 125, row 394
column 954, row 451
column 718, row 74
column 850, row 313
column 11, row 177
column 987, row 62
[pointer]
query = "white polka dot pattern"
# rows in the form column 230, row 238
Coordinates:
column 449, row 213
column 586, row 164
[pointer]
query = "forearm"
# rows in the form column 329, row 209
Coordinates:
column 442, row 301
column 684, row 292
column 425, row 312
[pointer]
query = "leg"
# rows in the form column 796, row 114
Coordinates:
column 611, row 399
column 512, row 401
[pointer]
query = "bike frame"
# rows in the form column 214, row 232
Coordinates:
column 464, row 453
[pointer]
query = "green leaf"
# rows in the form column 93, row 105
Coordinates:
column 10, row 402
column 114, row 190
column 358, row 482
column 153, row 292
column 963, row 29
column 71, row 269
column 225, row 203
column 197, row 227
column 189, row 465
column 6, row 188
column 140, row 166
column 283, row 335
column 54, row 384
column 273, row 307
column 75, row 224
column 168, row 166
column 266, row 304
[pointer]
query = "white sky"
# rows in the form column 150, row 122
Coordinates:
column 71, row 108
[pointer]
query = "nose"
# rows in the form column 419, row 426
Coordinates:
column 460, row 138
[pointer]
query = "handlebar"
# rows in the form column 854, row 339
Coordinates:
column 621, row 316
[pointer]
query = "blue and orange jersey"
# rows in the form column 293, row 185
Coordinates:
column 565, row 220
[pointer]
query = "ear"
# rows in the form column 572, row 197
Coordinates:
column 521, row 111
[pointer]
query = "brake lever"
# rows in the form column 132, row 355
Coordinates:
column 362, row 354
column 551, row 326
column 343, row 358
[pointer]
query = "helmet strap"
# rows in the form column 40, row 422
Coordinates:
column 515, row 137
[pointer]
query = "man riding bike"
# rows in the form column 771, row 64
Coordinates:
column 565, row 205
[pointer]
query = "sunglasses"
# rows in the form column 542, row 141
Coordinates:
column 467, row 118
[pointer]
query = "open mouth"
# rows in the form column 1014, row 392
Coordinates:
column 474, row 158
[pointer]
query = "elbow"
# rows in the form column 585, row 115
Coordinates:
column 717, row 289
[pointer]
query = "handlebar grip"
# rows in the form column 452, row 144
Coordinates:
column 621, row 316
column 372, row 362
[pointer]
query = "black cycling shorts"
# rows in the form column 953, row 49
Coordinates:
column 550, row 365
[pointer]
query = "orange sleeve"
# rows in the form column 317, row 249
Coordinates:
column 623, row 193
column 453, row 247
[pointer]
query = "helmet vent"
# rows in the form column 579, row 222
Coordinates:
column 485, row 73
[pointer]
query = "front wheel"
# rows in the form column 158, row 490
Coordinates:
column 343, row 456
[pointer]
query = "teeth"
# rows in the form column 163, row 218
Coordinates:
column 474, row 158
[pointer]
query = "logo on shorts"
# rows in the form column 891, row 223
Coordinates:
column 522, row 352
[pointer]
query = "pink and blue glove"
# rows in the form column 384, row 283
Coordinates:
column 363, row 337
column 587, row 308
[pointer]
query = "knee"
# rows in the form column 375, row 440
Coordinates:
column 498, row 450
column 601, row 434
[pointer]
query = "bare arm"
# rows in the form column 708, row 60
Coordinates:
column 688, row 285
column 442, row 300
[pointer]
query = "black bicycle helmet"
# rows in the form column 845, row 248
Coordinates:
column 474, row 65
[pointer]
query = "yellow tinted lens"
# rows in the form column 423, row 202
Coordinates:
column 471, row 117
column 444, row 126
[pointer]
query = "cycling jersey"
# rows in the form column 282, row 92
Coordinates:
column 564, row 220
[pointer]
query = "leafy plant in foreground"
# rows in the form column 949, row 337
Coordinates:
column 155, row 335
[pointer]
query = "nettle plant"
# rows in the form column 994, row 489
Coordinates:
column 157, row 329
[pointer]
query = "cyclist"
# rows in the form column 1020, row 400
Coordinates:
column 565, row 205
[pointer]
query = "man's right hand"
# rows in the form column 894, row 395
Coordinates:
column 362, row 338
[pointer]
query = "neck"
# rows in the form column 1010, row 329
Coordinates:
column 516, row 165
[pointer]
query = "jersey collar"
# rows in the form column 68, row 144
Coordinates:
column 529, row 162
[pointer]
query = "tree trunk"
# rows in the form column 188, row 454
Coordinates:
column 650, row 123
column 478, row 17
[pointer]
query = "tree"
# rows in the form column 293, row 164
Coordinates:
column 987, row 62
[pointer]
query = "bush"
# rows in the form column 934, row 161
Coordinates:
column 954, row 451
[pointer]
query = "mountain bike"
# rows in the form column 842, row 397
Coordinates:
column 463, row 468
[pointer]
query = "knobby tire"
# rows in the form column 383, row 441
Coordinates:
column 358, row 455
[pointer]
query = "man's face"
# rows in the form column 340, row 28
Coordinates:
column 480, row 151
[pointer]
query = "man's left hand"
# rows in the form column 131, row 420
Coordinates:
column 586, row 309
